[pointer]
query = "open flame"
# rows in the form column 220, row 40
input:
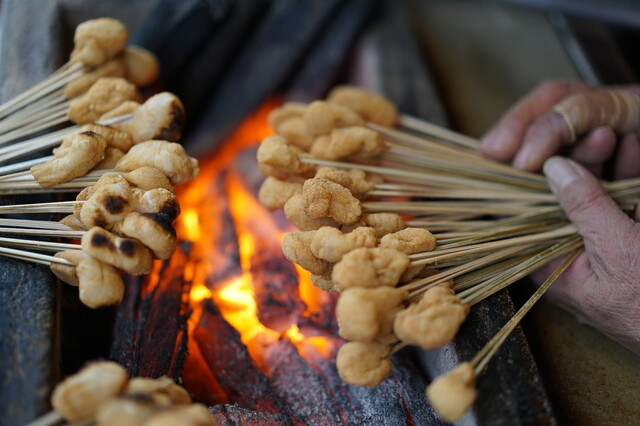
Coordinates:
column 235, row 262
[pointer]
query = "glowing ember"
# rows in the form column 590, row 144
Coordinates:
column 237, row 275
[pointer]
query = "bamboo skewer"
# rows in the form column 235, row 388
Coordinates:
column 57, row 80
column 42, row 233
column 438, row 255
column 442, row 133
column 39, row 245
column 418, row 287
column 34, row 224
column 49, row 419
column 488, row 288
column 34, row 117
column 25, row 165
column 443, row 163
column 425, row 207
column 42, row 259
column 54, row 207
column 411, row 176
column 482, row 358
column 404, row 190
column 26, row 184
column 14, row 135
column 42, row 104
column 416, row 141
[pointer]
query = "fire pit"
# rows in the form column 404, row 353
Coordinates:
column 228, row 315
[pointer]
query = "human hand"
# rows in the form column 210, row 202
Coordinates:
column 602, row 286
column 531, row 131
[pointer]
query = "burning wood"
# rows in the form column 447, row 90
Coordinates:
column 242, row 348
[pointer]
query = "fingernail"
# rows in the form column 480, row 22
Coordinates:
column 560, row 171
column 496, row 140
column 523, row 158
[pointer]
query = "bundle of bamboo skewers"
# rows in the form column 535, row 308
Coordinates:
column 412, row 226
column 117, row 154
column 120, row 157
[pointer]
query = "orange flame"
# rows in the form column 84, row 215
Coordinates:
column 204, row 202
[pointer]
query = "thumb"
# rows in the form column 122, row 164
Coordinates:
column 597, row 217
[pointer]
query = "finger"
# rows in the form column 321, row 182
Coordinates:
column 595, row 148
column 597, row 217
column 568, row 287
column 628, row 158
column 504, row 139
column 544, row 137
column 594, row 169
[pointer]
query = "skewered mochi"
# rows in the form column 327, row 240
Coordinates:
column 78, row 397
column 185, row 415
column 410, row 241
column 433, row 321
column 331, row 244
column 123, row 253
column 141, row 66
column 108, row 204
column 294, row 212
column 67, row 273
column 296, row 247
column 370, row 267
column 322, row 283
column 113, row 137
column 322, row 117
column 157, row 200
column 127, row 107
column 366, row 314
column 161, row 117
column 97, row 40
column 355, row 141
column 110, row 159
column 112, row 68
column 78, row 153
column 320, row 149
column 323, row 198
column 168, row 157
column 274, row 193
column 295, row 131
column 128, row 410
column 411, row 272
column 284, row 112
column 148, row 178
column 162, row 385
column 104, row 95
column 452, row 394
column 141, row 400
column 371, row 106
column 105, row 179
column 363, row 363
column 383, row 223
column 73, row 222
column 354, row 180
column 154, row 230
column 99, row 283
column 277, row 158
